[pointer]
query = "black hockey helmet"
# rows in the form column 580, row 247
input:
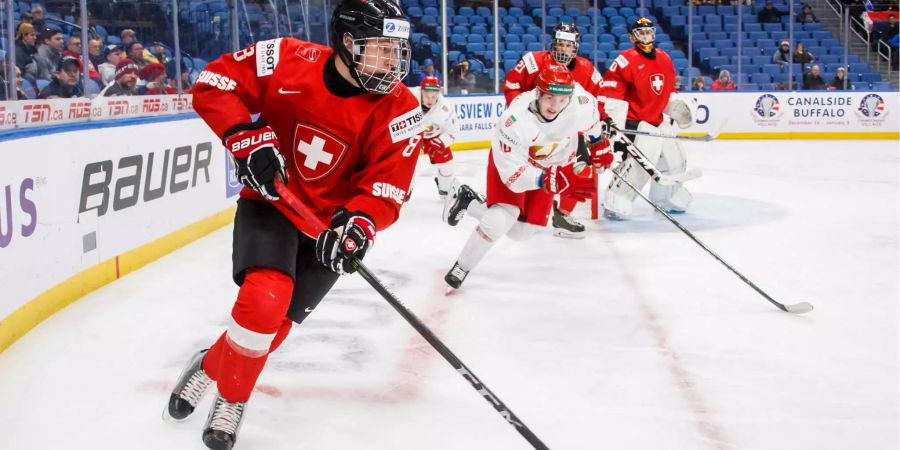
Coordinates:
column 564, row 32
column 643, row 33
column 381, row 26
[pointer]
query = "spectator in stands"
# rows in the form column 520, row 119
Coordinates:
column 49, row 53
column 107, row 70
column 461, row 80
column 135, row 52
column 74, row 49
column 74, row 45
column 840, row 77
column 884, row 32
column 679, row 83
column 65, row 84
column 26, row 38
column 37, row 18
column 812, row 81
column 698, row 84
column 782, row 54
column 807, row 15
column 427, row 71
column 126, row 80
column 20, row 91
column 159, row 52
column 95, row 52
column 769, row 14
column 128, row 36
column 25, row 17
column 154, row 74
column 724, row 82
column 803, row 56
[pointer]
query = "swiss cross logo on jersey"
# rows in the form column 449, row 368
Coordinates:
column 316, row 152
column 657, row 81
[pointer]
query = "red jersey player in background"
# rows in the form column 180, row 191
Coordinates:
column 334, row 123
column 639, row 91
column 524, row 77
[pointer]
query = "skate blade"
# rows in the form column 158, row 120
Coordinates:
column 567, row 234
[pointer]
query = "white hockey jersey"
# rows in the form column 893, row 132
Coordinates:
column 440, row 121
column 524, row 145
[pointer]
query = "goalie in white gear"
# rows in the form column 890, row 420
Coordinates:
column 441, row 129
column 667, row 155
column 532, row 158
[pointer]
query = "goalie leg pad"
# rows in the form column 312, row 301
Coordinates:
column 672, row 161
column 618, row 198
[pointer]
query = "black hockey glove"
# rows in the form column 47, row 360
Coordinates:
column 255, row 150
column 350, row 235
column 611, row 131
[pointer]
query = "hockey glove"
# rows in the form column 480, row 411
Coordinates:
column 255, row 150
column 601, row 154
column 568, row 181
column 437, row 152
column 350, row 235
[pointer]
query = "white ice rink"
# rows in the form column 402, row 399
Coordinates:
column 633, row 338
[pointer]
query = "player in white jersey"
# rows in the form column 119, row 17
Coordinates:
column 441, row 129
column 532, row 158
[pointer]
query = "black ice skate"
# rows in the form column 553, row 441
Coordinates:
column 457, row 202
column 223, row 424
column 565, row 226
column 189, row 389
column 456, row 276
column 441, row 192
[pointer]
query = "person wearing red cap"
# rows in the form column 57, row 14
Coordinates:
column 441, row 129
column 126, row 80
column 155, row 76
column 532, row 159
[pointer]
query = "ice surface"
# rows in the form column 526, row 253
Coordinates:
column 633, row 338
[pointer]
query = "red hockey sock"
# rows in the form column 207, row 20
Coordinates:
column 258, row 327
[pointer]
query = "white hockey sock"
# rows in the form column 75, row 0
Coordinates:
column 445, row 176
column 495, row 223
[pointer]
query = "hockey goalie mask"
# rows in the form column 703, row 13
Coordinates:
column 555, row 86
column 377, row 34
column 430, row 92
column 643, row 34
column 564, row 45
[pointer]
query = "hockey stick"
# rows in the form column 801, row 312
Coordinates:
column 796, row 308
column 705, row 138
column 655, row 174
column 303, row 214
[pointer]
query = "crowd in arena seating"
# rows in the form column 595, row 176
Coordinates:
column 122, row 64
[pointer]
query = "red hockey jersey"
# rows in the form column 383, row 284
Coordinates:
column 357, row 152
column 644, row 82
column 524, row 76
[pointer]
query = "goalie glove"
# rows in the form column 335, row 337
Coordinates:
column 572, row 180
column 350, row 236
column 254, row 147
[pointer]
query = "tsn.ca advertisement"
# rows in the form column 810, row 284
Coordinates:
column 38, row 113
column 74, row 199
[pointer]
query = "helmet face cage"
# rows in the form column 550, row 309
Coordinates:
column 644, row 35
column 381, row 63
column 564, row 33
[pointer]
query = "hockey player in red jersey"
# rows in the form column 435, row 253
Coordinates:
column 334, row 123
column 639, row 93
column 523, row 78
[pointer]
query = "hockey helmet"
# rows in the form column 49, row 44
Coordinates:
column 643, row 34
column 564, row 32
column 380, row 26
column 556, row 79
column 430, row 83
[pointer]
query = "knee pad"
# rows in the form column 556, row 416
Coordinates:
column 498, row 220
column 521, row 231
column 259, row 311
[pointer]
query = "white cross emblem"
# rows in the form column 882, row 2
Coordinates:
column 315, row 152
column 656, row 82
